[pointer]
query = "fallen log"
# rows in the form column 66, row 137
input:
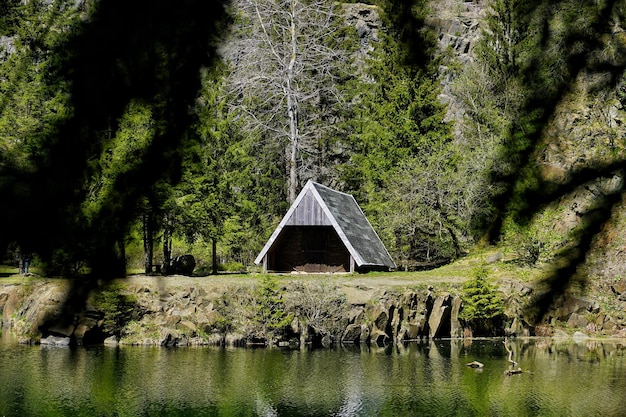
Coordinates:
column 475, row 364
column 510, row 372
column 511, row 361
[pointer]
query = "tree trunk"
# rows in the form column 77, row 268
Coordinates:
column 292, row 108
column 455, row 241
column 447, row 225
column 120, row 250
column 214, row 250
column 148, row 240
column 167, row 249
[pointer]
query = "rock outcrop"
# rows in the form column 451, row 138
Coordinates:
column 182, row 311
column 183, row 265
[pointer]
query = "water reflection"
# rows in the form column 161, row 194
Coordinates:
column 558, row 379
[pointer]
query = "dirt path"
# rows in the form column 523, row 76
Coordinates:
column 376, row 281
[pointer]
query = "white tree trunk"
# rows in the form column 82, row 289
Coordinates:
column 292, row 105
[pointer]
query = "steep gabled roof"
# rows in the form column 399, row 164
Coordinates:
column 341, row 211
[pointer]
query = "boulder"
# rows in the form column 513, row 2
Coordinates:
column 580, row 337
column 111, row 341
column 619, row 287
column 381, row 319
column 183, row 265
column 355, row 315
column 380, row 338
column 496, row 257
column 79, row 333
column 397, row 319
column 572, row 304
column 455, row 326
column 352, row 334
column 560, row 334
column 516, row 328
column 55, row 341
column 188, row 325
column 417, row 326
column 577, row 321
column 365, row 333
column 439, row 314
column 410, row 300
column 61, row 329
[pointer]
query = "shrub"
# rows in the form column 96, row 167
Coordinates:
column 226, row 317
column 319, row 304
column 538, row 240
column 117, row 308
column 270, row 305
column 232, row 267
column 483, row 308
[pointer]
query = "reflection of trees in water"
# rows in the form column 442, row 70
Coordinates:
column 416, row 378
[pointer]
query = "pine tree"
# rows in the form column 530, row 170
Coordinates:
column 483, row 308
column 404, row 163
column 33, row 101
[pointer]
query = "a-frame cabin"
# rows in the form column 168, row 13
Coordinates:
column 324, row 231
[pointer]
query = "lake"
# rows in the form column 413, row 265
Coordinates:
column 559, row 378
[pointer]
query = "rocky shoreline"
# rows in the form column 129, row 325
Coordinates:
column 319, row 312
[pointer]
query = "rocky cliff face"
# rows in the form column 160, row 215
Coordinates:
column 579, row 156
column 457, row 25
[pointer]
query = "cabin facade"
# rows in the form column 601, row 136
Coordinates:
column 324, row 231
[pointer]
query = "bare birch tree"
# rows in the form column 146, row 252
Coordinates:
column 286, row 57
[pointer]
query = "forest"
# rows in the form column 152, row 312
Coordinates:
column 133, row 132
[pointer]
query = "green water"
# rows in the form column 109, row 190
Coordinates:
column 429, row 379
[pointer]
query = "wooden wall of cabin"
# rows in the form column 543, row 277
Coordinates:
column 308, row 249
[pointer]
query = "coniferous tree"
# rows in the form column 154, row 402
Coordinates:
column 93, row 65
column 404, row 162
column 33, row 101
column 202, row 201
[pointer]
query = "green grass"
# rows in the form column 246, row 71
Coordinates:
column 10, row 275
column 454, row 273
column 8, row 270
